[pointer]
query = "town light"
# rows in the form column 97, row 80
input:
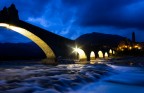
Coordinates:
column 125, row 46
column 136, row 46
column 139, row 48
column 130, row 48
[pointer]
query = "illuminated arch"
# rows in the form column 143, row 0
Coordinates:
column 113, row 52
column 106, row 55
column 81, row 53
column 46, row 49
column 92, row 55
column 110, row 51
column 100, row 54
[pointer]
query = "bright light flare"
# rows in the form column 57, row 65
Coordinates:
column 81, row 53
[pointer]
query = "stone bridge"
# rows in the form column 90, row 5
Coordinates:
column 53, row 45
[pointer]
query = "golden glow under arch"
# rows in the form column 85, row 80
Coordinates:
column 113, row 52
column 92, row 55
column 46, row 49
column 106, row 54
column 100, row 54
column 81, row 53
column 110, row 51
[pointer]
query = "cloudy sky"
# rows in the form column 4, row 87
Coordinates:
column 72, row 18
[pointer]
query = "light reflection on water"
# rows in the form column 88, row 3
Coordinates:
column 125, row 80
column 74, row 78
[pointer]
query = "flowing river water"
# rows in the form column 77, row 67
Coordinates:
column 73, row 78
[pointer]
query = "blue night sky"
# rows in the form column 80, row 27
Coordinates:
column 72, row 18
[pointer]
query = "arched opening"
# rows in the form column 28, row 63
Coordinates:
column 100, row 54
column 80, row 54
column 106, row 55
column 110, row 51
column 113, row 52
column 92, row 55
column 46, row 49
column 14, row 46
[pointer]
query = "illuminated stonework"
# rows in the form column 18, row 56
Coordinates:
column 46, row 49
column 110, row 51
column 81, row 53
column 106, row 55
column 92, row 55
column 100, row 54
column 113, row 52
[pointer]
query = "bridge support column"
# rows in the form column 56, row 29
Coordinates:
column 49, row 61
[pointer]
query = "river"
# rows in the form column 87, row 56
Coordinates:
column 73, row 78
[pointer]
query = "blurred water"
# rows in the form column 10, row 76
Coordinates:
column 74, row 78
column 125, row 80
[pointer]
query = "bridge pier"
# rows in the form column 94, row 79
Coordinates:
column 49, row 61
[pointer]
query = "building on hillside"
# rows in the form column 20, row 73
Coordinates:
column 130, row 44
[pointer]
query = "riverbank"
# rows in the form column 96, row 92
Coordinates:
column 128, row 61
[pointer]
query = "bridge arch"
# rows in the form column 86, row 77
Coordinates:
column 46, row 49
column 110, row 51
column 80, row 53
column 113, row 52
column 100, row 54
column 92, row 55
column 106, row 54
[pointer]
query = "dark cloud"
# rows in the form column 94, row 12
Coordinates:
column 73, row 2
column 27, row 8
column 113, row 13
column 72, row 18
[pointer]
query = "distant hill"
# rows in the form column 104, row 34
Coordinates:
column 16, row 51
column 98, row 39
